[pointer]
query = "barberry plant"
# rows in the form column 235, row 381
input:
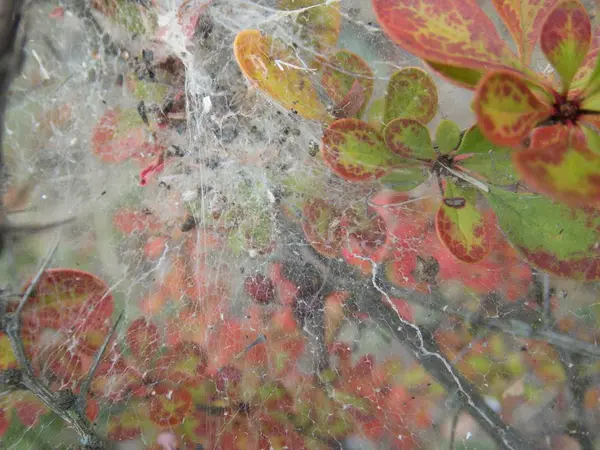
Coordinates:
column 298, row 249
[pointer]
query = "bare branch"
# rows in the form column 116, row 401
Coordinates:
column 425, row 349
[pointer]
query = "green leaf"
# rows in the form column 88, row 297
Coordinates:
column 467, row 78
column 461, row 227
column 456, row 33
column 375, row 114
column 524, row 19
column 411, row 94
column 507, row 109
column 404, row 178
column 409, row 138
column 592, row 138
column 20, row 436
column 275, row 69
column 492, row 162
column 447, row 136
column 340, row 73
column 356, row 151
column 550, row 235
column 565, row 39
column 559, row 163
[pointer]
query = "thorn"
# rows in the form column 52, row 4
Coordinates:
column 85, row 388
column 36, row 278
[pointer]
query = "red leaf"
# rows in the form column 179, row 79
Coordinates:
column 129, row 221
column 450, row 32
column 260, row 288
column 189, row 13
column 565, row 39
column 4, row 421
column 143, row 339
column 29, row 411
column 169, row 405
column 524, row 19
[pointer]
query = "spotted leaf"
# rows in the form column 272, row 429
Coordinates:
column 447, row 136
column 453, row 33
column 411, row 94
column 143, row 339
column 356, row 151
column 461, row 227
column 524, row 19
column 560, row 164
column 507, row 109
column 321, row 225
column 275, row 69
column 486, row 160
column 318, row 25
column 550, row 235
column 169, row 405
column 565, row 39
column 409, row 139
column 65, row 297
column 342, row 70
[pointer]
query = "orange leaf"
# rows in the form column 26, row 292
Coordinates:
column 275, row 69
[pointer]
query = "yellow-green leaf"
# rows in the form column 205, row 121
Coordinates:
column 560, row 164
column 409, row 138
column 275, row 69
column 356, row 151
column 318, row 23
column 507, row 109
column 461, row 227
column 411, row 94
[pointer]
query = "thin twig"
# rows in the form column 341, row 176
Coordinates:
column 36, row 278
column 85, row 387
column 453, row 429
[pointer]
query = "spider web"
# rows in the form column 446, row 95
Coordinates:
column 228, row 308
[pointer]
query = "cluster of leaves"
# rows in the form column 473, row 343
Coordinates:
column 392, row 147
column 552, row 126
column 200, row 374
